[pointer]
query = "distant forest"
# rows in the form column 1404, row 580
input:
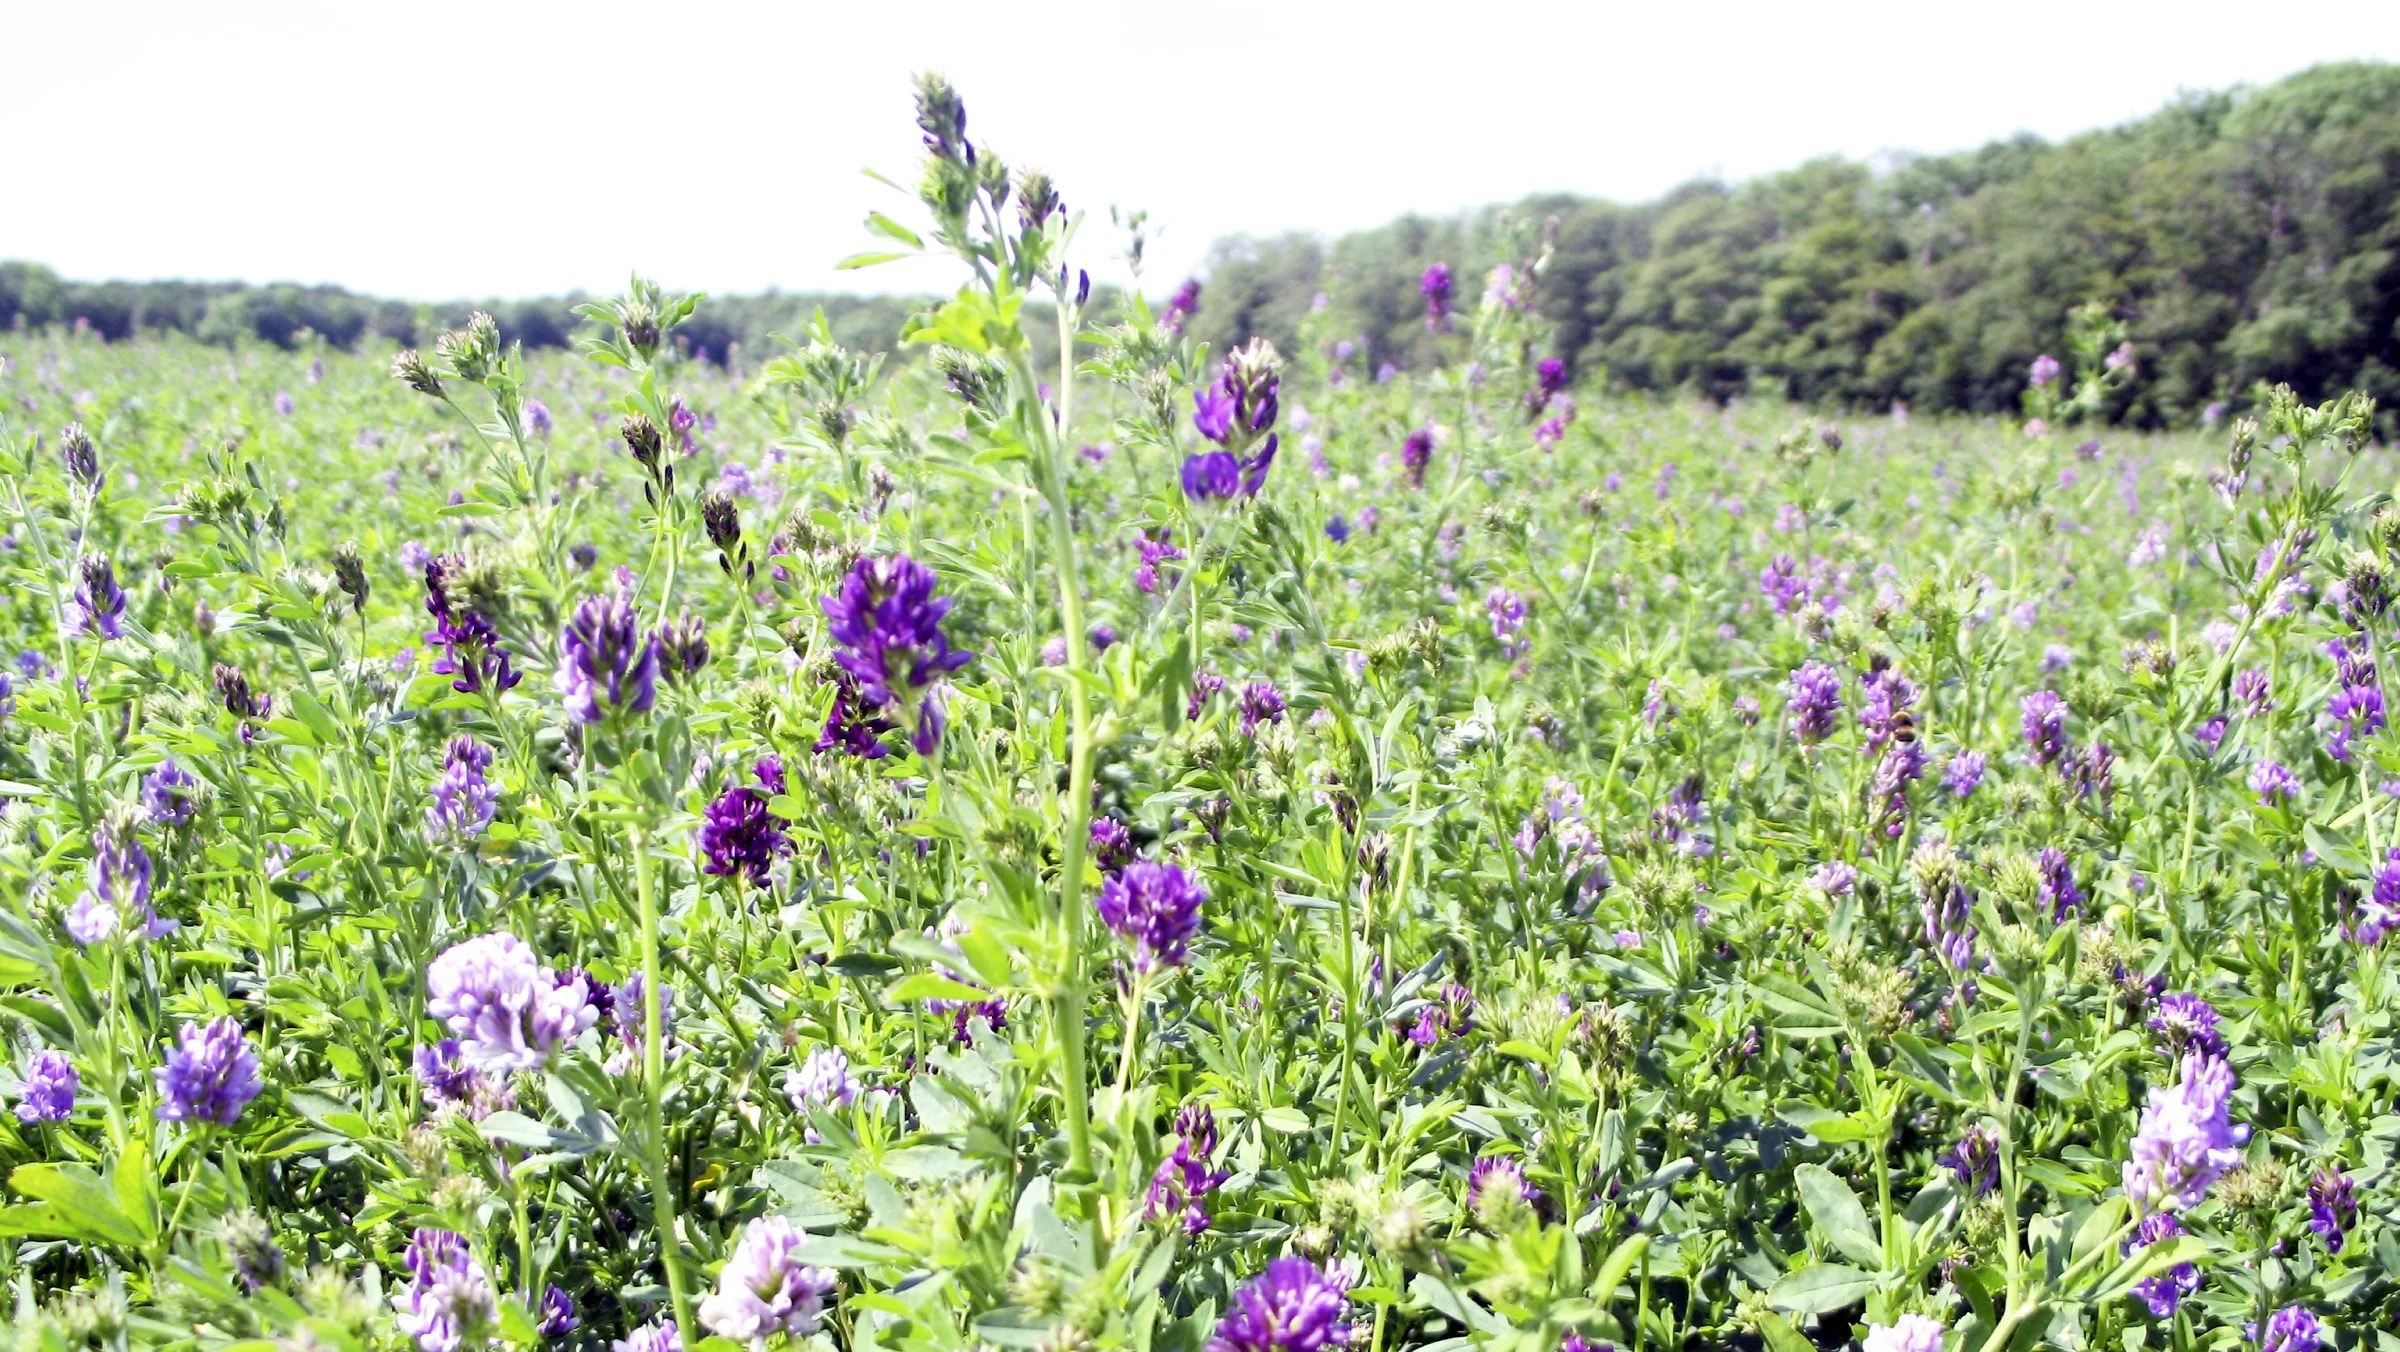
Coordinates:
column 2238, row 237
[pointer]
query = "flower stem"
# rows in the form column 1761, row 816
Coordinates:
column 662, row 1192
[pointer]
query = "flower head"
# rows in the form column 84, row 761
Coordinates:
column 739, row 838
column 822, row 1081
column 2167, row 1290
column 2332, row 1207
column 2273, row 783
column 117, row 898
column 47, row 1093
column 1816, row 698
column 2290, row 1329
column 1155, row 909
column 97, row 605
column 506, row 1010
column 886, row 625
column 1908, row 1333
column 463, row 798
column 2045, row 726
column 1179, row 1188
column 1437, row 287
column 1964, row 774
column 765, row 1289
column 1293, row 1306
column 2059, row 892
column 1975, row 1160
column 2186, row 1140
column 449, row 1299
column 606, row 664
column 210, row 1076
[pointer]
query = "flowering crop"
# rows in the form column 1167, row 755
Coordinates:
column 776, row 851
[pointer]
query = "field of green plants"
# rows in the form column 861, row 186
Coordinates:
column 1068, row 839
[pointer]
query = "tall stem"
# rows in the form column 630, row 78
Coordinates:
column 654, row 1068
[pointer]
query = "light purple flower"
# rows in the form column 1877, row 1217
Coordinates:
column 507, row 1012
column 210, row 1076
column 2186, row 1140
column 1293, row 1306
column 822, row 1081
column 2273, row 783
column 1816, row 699
column 47, row 1093
column 1908, row 1333
column 1964, row 774
column 765, row 1289
column 449, row 1298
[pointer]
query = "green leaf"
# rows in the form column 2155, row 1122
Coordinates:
column 1780, row 1335
column 933, row 986
column 1289, row 1121
column 80, row 1201
column 867, row 260
column 1840, row 1219
column 890, row 229
column 1820, row 1288
column 1613, row 1269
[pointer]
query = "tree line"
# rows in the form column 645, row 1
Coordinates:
column 2235, row 238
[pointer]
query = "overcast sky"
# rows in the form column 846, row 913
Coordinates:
column 436, row 152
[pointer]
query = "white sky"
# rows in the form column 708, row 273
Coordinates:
column 439, row 152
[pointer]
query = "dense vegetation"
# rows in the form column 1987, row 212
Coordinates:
column 2238, row 238
column 1180, row 851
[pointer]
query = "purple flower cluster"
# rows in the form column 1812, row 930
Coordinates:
column 47, row 1093
column 2187, row 1025
column 1948, row 908
column 2186, row 1140
column 170, row 795
column 1155, row 909
column 2273, row 783
column 2044, row 370
column 765, row 1289
column 508, row 1012
column 97, row 605
column 1781, row 583
column 1180, row 1187
column 1902, row 764
column 448, row 1301
column 1262, row 702
column 1154, row 549
column 1964, row 774
column 1908, row 1333
column 1449, row 1013
column 1416, row 453
column 739, row 838
column 210, row 1076
column 822, row 1081
column 1180, row 306
column 1293, row 1306
column 851, row 725
column 1236, row 411
column 2332, row 1207
column 659, row 1335
column 1816, row 701
column 1886, row 697
column 607, row 665
column 2379, row 914
column 2355, row 711
column 1499, row 1176
column 116, row 900
column 886, row 625
column 1975, row 1160
column 1507, row 611
column 2059, row 892
column 2290, row 1329
column 2045, row 726
column 1436, row 287
column 463, row 798
column 472, row 655
column 2167, row 1290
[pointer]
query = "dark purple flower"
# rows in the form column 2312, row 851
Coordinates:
column 606, row 664
column 2379, row 914
column 1902, row 764
column 558, row 1314
column 738, row 836
column 1102, row 638
column 2059, row 892
column 1205, row 684
column 1416, row 452
column 1502, row 1175
column 1436, row 287
column 471, row 651
column 2167, row 1290
column 1337, row 530
column 1155, row 909
column 443, row 1071
column 1948, row 909
column 2210, row 734
column 1261, row 703
column 97, row 605
column 1549, row 377
column 1448, row 1013
column 2187, row 1024
column 2355, row 711
column 1816, row 697
column 210, row 1076
column 851, row 725
column 2045, row 726
column 2290, row 1329
column 1180, row 306
column 1180, row 1186
column 1111, row 844
column 2332, row 1206
column 1294, row 1306
column 1212, row 475
column 886, row 625
column 47, row 1093
column 117, row 898
column 1975, row 1160
column 1886, row 697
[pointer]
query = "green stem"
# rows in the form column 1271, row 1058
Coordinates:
column 662, row 1193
